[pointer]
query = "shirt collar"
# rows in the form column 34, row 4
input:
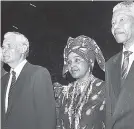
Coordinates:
column 130, row 49
column 18, row 68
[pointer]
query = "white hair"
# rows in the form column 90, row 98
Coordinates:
column 125, row 7
column 19, row 38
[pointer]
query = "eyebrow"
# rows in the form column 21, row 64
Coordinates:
column 76, row 57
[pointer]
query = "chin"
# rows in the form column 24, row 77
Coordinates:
column 6, row 61
column 75, row 76
column 120, row 40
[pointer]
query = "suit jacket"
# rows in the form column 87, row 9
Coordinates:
column 33, row 104
column 3, row 72
column 119, row 95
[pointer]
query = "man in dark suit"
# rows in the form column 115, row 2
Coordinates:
column 120, row 70
column 27, row 91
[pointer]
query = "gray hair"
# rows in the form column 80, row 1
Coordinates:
column 126, row 7
column 20, row 38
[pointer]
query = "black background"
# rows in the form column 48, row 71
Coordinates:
column 50, row 23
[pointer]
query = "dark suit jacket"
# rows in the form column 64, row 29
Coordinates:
column 33, row 104
column 3, row 72
column 120, row 95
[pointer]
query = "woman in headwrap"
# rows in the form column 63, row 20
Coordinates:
column 82, row 103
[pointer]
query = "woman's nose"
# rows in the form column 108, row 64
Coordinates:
column 72, row 64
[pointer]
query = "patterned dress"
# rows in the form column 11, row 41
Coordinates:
column 81, row 110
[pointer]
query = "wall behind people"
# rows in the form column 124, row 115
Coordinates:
column 49, row 24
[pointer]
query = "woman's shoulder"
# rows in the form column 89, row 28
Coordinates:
column 61, row 89
column 98, row 89
column 98, row 82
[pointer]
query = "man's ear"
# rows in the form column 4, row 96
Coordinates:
column 23, row 48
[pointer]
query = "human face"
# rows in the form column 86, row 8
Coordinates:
column 77, row 66
column 11, row 53
column 123, row 28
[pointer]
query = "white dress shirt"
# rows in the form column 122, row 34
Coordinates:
column 17, row 70
column 131, row 57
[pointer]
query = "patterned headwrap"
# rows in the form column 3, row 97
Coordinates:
column 86, row 48
column 126, row 7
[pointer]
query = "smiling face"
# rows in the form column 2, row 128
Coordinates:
column 77, row 66
column 123, row 28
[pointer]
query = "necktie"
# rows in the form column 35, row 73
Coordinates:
column 125, row 64
column 12, row 86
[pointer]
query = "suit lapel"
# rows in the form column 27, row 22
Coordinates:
column 18, row 87
column 131, row 71
column 4, row 85
column 116, row 74
column 126, row 98
column 130, row 74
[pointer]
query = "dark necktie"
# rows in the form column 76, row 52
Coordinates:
column 11, row 87
column 125, row 64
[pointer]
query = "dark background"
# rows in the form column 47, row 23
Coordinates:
column 48, row 24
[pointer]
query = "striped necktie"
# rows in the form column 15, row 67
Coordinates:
column 12, row 86
column 125, row 64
